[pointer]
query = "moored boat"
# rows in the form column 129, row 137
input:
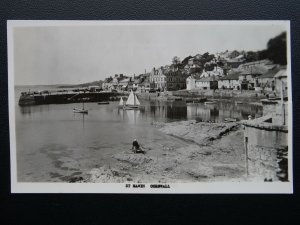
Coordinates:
column 210, row 103
column 82, row 110
column 132, row 101
column 76, row 110
column 103, row 103
column 230, row 120
column 121, row 103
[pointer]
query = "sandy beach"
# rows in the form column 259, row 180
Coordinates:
column 213, row 152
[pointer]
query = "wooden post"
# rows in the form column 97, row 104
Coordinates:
column 282, row 104
column 246, row 155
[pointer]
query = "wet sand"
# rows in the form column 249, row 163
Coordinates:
column 212, row 152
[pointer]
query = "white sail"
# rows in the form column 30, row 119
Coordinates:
column 121, row 103
column 137, row 102
column 131, row 99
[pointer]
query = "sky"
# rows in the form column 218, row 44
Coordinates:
column 62, row 54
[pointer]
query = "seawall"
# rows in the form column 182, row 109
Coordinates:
column 65, row 98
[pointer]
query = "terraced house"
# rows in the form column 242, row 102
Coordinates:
column 175, row 80
column 231, row 81
column 158, row 79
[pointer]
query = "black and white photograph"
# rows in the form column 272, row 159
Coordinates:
column 150, row 106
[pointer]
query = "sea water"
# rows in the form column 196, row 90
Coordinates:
column 54, row 143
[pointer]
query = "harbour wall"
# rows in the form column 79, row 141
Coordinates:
column 65, row 98
column 221, row 94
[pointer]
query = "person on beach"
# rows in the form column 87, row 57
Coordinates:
column 136, row 147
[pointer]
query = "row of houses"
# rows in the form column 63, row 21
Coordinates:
column 140, row 83
column 159, row 79
column 259, row 76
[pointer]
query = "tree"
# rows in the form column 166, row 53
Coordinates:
column 263, row 54
column 176, row 60
column 186, row 60
column 276, row 49
column 251, row 56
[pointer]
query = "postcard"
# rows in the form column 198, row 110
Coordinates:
column 150, row 106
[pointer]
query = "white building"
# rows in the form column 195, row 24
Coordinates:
column 190, row 83
column 217, row 71
column 281, row 85
column 230, row 81
column 207, row 83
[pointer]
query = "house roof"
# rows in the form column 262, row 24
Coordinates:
column 281, row 73
column 174, row 73
column 233, row 75
column 264, row 61
column 240, row 57
column 124, row 80
column 146, row 80
column 269, row 74
column 257, row 69
column 195, row 76
column 207, row 79
column 235, row 60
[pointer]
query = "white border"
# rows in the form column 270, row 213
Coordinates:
column 213, row 187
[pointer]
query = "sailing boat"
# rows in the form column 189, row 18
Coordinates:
column 132, row 101
column 121, row 103
column 76, row 110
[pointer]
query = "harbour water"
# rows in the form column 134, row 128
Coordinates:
column 54, row 143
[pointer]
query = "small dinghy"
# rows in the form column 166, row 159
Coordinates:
column 77, row 110
column 239, row 103
column 210, row 103
column 230, row 120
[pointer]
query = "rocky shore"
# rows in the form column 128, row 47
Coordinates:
column 213, row 152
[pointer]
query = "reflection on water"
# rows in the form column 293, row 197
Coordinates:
column 161, row 111
column 222, row 110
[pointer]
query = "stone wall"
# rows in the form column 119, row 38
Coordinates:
column 267, row 150
column 275, row 108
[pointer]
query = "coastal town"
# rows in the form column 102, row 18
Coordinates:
column 227, row 74
column 229, row 71
column 189, row 114
column 243, row 77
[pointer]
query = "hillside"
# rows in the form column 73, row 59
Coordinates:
column 94, row 83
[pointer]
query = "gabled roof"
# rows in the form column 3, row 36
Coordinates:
column 281, row 73
column 270, row 74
